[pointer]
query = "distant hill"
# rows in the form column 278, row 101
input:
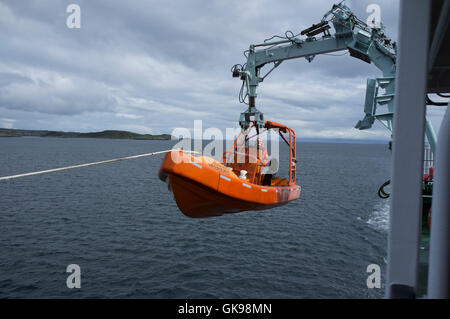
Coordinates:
column 4, row 132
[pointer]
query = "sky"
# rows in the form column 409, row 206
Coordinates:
column 152, row 66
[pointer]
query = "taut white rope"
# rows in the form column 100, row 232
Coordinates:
column 83, row 165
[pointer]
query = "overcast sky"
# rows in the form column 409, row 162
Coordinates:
column 151, row 66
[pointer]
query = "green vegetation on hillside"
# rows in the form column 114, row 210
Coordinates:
column 104, row 134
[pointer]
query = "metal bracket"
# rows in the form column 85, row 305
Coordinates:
column 245, row 119
column 372, row 99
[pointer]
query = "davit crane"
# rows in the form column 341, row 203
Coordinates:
column 368, row 44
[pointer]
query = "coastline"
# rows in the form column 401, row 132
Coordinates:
column 110, row 134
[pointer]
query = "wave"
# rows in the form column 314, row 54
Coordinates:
column 379, row 217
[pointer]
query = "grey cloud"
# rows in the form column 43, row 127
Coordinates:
column 7, row 78
column 54, row 94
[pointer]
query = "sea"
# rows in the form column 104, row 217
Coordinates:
column 121, row 226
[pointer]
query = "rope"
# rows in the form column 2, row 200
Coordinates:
column 84, row 165
column 381, row 193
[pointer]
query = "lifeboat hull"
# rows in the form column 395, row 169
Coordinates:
column 203, row 187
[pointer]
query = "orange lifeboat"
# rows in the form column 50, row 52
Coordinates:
column 204, row 187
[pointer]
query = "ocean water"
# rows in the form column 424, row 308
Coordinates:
column 120, row 224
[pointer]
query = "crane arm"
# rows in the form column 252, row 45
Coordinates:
column 368, row 44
